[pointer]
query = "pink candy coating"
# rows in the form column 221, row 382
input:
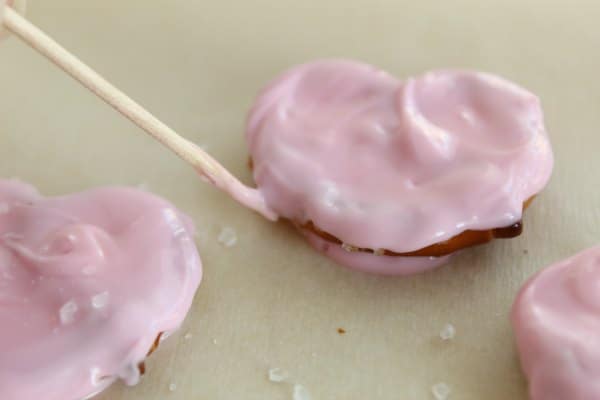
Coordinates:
column 87, row 283
column 366, row 262
column 385, row 164
column 556, row 318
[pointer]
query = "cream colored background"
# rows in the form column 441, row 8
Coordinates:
column 270, row 301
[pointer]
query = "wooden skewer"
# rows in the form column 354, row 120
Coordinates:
column 188, row 151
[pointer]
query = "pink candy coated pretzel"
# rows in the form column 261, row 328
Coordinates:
column 395, row 166
column 88, row 282
column 556, row 318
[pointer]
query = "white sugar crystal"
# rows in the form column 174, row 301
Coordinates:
column 448, row 332
column 95, row 376
column 348, row 247
column 227, row 237
column 278, row 375
column 88, row 270
column 331, row 196
column 187, row 336
column 13, row 237
column 467, row 116
column 100, row 300
column 300, row 393
column 4, row 208
column 180, row 231
column 440, row 391
column 67, row 312
column 172, row 387
column 131, row 374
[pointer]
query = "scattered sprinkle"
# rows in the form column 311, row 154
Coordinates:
column 341, row 331
column 440, row 391
column 67, row 312
column 448, row 332
column 227, row 237
column 187, row 336
column 278, row 375
column 100, row 300
column 172, row 387
column 300, row 393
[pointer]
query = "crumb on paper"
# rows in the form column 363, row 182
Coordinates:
column 227, row 237
column 525, row 251
column 300, row 393
column 278, row 375
column 341, row 331
column 448, row 332
column 187, row 336
column 172, row 387
column 440, row 391
column 214, row 341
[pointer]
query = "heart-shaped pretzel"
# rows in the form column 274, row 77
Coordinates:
column 383, row 175
column 88, row 283
column 556, row 318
